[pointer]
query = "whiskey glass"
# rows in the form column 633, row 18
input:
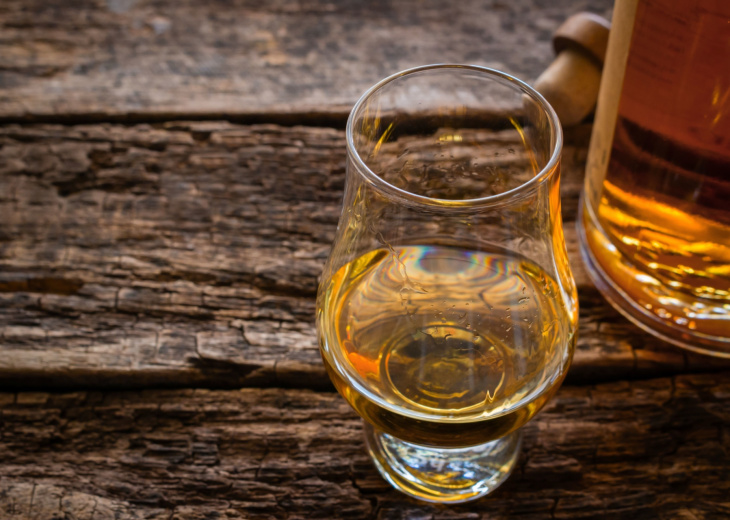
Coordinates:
column 447, row 312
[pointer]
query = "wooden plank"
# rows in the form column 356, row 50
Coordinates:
column 145, row 59
column 656, row 449
column 187, row 254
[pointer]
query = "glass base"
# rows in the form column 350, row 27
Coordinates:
column 656, row 308
column 446, row 476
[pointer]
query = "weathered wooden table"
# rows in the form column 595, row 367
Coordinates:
column 170, row 181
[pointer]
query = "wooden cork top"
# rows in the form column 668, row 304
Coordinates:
column 571, row 82
column 586, row 31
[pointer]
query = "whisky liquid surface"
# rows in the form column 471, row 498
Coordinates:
column 663, row 237
column 671, row 220
column 444, row 346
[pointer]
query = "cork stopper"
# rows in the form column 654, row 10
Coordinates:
column 571, row 82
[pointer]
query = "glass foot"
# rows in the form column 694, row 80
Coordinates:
column 446, row 476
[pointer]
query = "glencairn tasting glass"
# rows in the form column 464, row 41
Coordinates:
column 447, row 311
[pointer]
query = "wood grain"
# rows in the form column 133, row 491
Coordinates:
column 185, row 254
column 143, row 60
column 656, row 449
column 139, row 249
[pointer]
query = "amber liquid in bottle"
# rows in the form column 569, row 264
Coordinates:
column 444, row 346
column 658, row 223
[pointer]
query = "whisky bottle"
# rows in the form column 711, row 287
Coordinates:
column 655, row 224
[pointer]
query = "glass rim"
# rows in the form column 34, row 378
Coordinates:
column 389, row 189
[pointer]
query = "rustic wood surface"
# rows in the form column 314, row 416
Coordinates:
column 645, row 449
column 170, row 182
column 187, row 254
column 306, row 60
